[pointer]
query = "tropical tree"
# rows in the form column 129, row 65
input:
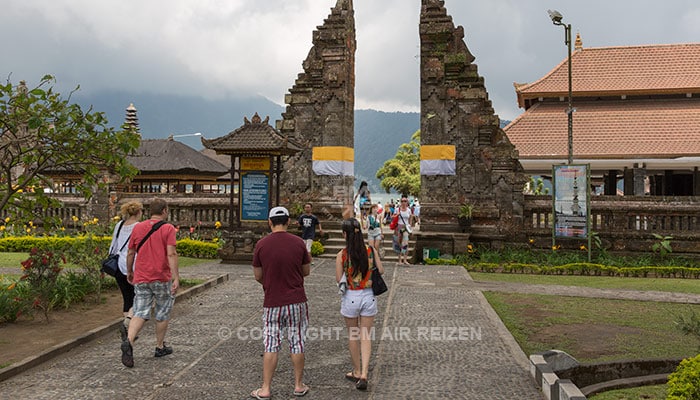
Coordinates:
column 402, row 173
column 41, row 133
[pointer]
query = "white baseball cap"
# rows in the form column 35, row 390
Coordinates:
column 278, row 212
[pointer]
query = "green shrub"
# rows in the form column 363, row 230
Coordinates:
column 197, row 249
column 317, row 248
column 13, row 297
column 684, row 383
column 72, row 287
column 24, row 244
column 41, row 271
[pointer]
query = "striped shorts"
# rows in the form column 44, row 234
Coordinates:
column 291, row 320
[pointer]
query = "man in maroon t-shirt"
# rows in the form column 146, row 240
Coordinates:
column 280, row 263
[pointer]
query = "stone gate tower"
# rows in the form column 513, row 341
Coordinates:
column 320, row 115
column 460, row 130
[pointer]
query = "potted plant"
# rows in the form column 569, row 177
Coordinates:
column 464, row 216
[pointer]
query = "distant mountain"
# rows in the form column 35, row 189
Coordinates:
column 378, row 134
column 162, row 115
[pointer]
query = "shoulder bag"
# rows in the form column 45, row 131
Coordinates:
column 406, row 226
column 110, row 265
column 378, row 284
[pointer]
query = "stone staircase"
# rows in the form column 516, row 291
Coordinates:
column 333, row 242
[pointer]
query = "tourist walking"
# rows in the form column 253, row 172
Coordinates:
column 416, row 212
column 374, row 231
column 151, row 266
column 355, row 263
column 403, row 229
column 365, row 200
column 280, row 263
column 308, row 222
column 131, row 213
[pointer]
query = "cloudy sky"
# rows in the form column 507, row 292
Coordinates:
column 238, row 48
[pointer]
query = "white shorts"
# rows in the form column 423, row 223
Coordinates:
column 308, row 242
column 356, row 303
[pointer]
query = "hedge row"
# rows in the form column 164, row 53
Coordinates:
column 24, row 244
column 684, row 383
column 578, row 269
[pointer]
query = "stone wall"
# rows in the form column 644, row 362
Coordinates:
column 320, row 112
column 455, row 110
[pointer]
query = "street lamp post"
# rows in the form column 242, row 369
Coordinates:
column 556, row 20
column 171, row 136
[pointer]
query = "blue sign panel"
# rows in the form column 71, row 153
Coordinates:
column 255, row 196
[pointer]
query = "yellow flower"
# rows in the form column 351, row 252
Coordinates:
column 7, row 219
column 531, row 241
column 31, row 223
column 29, row 230
column 116, row 218
column 95, row 220
column 63, row 229
column 74, row 218
column 215, row 239
column 217, row 224
column 582, row 247
column 19, row 190
column 556, row 247
column 12, row 286
column 2, row 228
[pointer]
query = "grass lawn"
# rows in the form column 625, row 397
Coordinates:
column 601, row 282
column 595, row 330
column 657, row 392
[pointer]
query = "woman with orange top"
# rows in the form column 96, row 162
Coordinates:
column 355, row 263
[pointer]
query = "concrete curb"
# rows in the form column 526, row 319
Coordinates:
column 33, row 361
column 551, row 385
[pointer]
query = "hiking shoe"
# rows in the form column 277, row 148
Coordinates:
column 123, row 332
column 164, row 351
column 127, row 354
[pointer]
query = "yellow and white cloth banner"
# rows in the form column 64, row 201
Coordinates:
column 333, row 160
column 437, row 160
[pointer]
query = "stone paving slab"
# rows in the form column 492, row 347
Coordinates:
column 435, row 338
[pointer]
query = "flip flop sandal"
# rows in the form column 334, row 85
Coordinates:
column 301, row 393
column 255, row 394
column 352, row 378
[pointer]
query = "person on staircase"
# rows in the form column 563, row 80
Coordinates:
column 403, row 230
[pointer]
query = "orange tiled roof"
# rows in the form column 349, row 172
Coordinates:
column 609, row 129
column 648, row 69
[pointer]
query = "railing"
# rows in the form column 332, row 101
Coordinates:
column 625, row 214
column 621, row 219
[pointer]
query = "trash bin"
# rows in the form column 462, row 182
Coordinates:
column 430, row 253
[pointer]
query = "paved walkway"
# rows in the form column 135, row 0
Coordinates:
column 437, row 337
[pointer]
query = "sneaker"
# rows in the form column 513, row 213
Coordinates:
column 164, row 351
column 127, row 354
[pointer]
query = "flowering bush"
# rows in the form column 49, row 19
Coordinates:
column 41, row 271
column 12, row 300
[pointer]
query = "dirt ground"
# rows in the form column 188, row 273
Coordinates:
column 29, row 337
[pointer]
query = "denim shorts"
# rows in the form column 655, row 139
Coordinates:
column 146, row 293
column 358, row 303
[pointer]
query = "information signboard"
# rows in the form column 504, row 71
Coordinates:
column 255, row 195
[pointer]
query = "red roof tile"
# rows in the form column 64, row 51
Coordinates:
column 648, row 69
column 607, row 129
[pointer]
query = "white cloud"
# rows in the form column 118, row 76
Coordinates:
column 216, row 48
